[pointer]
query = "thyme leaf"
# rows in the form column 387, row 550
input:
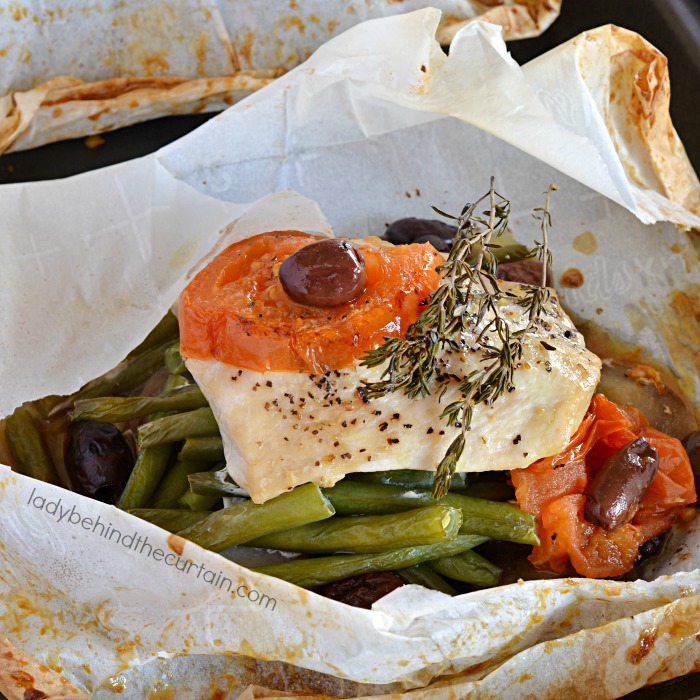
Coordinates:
column 412, row 361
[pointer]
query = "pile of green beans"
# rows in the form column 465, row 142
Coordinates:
column 381, row 521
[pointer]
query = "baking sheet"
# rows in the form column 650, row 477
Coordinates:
column 386, row 104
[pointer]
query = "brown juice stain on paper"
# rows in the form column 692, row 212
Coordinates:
column 115, row 683
column 585, row 243
column 199, row 44
column 678, row 321
column 24, row 606
column 644, row 645
column 155, row 64
column 126, row 648
column 246, row 648
column 110, row 88
column 295, row 22
column 18, row 13
column 637, row 319
column 52, row 661
column 177, row 544
column 683, row 626
column 247, row 47
column 571, row 278
column 94, row 117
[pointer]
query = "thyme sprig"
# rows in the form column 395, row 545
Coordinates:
column 412, row 361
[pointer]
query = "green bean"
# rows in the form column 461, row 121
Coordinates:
column 509, row 527
column 151, row 465
column 358, row 498
column 198, row 501
column 125, row 377
column 174, row 484
column 506, row 252
column 406, row 478
column 214, row 482
column 246, row 521
column 198, row 423
column 510, row 253
column 203, row 449
column 423, row 480
column 173, row 360
column 120, row 409
column 49, row 405
column 29, row 452
column 469, row 567
column 423, row 575
column 492, row 490
column 170, row 519
column 175, row 383
column 493, row 519
column 365, row 534
column 193, row 500
column 166, row 330
column 309, row 573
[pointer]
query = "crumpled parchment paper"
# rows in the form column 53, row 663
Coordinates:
column 74, row 69
column 370, row 137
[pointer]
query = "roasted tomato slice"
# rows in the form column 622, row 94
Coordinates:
column 235, row 310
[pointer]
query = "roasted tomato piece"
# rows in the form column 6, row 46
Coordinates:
column 556, row 489
column 237, row 311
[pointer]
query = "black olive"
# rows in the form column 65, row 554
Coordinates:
column 362, row 590
column 411, row 229
column 691, row 444
column 653, row 546
column 618, row 487
column 523, row 271
column 326, row 273
column 98, row 460
column 438, row 243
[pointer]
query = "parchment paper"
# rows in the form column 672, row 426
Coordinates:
column 73, row 69
column 370, row 137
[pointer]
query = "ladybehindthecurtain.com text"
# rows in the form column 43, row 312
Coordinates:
column 140, row 544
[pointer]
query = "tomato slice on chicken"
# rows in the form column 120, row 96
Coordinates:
column 235, row 309
column 554, row 488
